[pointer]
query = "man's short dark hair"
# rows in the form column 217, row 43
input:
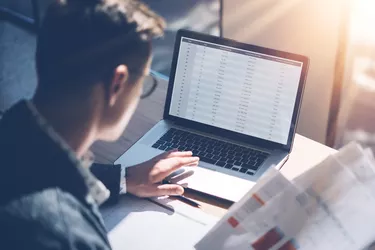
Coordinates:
column 82, row 41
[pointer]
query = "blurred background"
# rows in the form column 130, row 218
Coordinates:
column 20, row 18
column 337, row 35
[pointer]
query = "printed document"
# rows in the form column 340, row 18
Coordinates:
column 331, row 206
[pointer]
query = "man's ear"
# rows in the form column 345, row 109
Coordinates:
column 118, row 84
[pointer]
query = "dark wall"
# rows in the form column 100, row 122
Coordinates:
column 198, row 15
column 21, row 6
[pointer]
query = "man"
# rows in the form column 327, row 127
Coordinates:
column 92, row 57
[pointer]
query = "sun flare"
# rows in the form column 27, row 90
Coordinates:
column 363, row 20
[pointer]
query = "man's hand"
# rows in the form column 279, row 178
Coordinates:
column 144, row 180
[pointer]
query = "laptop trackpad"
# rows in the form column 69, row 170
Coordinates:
column 201, row 179
column 212, row 182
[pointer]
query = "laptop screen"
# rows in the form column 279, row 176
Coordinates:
column 238, row 90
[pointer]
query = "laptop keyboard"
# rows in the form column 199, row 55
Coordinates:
column 219, row 153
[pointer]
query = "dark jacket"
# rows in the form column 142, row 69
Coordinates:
column 45, row 201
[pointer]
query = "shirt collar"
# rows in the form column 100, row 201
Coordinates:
column 97, row 191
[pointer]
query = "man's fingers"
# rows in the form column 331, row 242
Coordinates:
column 164, row 155
column 194, row 164
column 168, row 189
column 173, row 153
column 169, row 165
column 159, row 190
column 177, row 162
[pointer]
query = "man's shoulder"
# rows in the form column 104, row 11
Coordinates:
column 50, row 208
column 44, row 204
column 50, row 217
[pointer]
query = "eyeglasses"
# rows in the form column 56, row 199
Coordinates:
column 149, row 87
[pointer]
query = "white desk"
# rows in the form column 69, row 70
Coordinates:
column 306, row 153
column 133, row 219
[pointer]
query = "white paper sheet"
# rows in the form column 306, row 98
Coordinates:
column 332, row 206
column 139, row 224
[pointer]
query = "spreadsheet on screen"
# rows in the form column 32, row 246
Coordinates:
column 234, row 89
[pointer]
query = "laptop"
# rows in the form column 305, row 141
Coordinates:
column 234, row 105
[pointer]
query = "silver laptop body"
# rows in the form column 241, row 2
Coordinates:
column 234, row 105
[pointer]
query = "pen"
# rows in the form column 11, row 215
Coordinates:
column 183, row 198
column 187, row 201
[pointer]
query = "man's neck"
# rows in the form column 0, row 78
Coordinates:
column 72, row 120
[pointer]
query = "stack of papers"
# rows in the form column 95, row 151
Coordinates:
column 332, row 206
